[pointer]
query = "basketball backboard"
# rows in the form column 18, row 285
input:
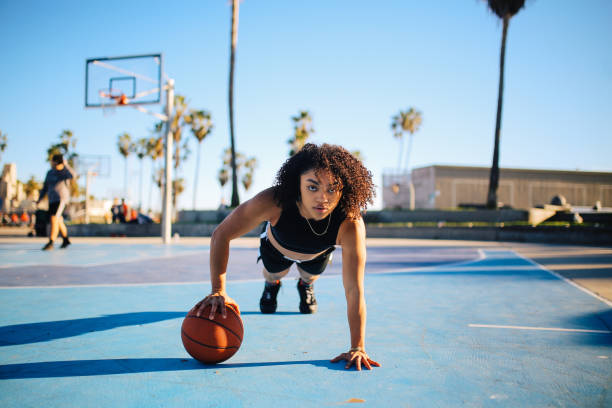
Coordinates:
column 93, row 164
column 127, row 80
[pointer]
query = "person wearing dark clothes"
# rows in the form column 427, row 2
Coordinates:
column 314, row 205
column 57, row 189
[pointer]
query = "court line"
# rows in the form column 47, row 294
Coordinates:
column 132, row 258
column 497, row 326
column 563, row 278
column 481, row 256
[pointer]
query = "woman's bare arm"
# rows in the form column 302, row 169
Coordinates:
column 352, row 239
column 243, row 219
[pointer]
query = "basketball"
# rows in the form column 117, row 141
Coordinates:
column 212, row 341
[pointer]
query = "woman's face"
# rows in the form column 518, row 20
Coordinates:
column 320, row 194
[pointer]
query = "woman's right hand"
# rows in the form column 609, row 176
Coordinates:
column 217, row 301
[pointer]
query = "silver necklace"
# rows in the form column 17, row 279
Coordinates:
column 326, row 228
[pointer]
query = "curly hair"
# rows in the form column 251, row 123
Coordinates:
column 354, row 179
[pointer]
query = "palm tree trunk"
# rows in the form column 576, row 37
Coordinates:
column 125, row 179
column 401, row 152
column 235, row 199
column 408, row 151
column 151, row 183
column 494, row 176
column 407, row 169
column 140, row 198
column 195, row 183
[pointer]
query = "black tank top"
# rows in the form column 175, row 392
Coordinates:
column 293, row 233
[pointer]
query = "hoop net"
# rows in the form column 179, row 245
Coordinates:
column 111, row 98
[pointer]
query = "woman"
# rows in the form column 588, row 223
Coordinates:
column 315, row 204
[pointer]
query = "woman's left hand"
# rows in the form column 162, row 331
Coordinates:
column 357, row 357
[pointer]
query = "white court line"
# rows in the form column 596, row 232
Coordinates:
column 496, row 326
column 481, row 256
column 563, row 278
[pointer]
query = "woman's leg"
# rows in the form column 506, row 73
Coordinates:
column 54, row 227
column 307, row 278
column 274, row 277
column 267, row 302
column 62, row 228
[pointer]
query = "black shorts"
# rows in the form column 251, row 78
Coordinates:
column 56, row 208
column 275, row 262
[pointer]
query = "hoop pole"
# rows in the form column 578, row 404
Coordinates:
column 87, row 185
column 167, row 203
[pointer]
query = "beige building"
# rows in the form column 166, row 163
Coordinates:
column 11, row 190
column 451, row 186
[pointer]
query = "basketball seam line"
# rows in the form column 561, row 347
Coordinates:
column 217, row 323
column 206, row 345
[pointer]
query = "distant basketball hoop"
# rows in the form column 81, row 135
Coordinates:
column 91, row 166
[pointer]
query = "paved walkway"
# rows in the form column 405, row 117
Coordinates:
column 454, row 323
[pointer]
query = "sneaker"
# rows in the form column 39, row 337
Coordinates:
column 48, row 247
column 308, row 303
column 65, row 243
column 267, row 303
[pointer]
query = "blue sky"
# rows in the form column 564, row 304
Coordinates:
column 352, row 64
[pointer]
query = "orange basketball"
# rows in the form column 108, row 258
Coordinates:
column 212, row 341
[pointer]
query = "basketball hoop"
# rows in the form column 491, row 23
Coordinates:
column 111, row 98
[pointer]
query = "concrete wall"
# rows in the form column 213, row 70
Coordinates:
column 446, row 216
column 205, row 216
column 555, row 235
column 146, row 230
column 450, row 186
column 560, row 235
column 395, row 192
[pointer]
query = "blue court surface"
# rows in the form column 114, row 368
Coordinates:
column 98, row 325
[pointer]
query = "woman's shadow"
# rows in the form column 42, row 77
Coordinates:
column 83, row 368
column 27, row 333
column 46, row 331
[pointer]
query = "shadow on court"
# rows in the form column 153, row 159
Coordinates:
column 601, row 320
column 46, row 331
column 277, row 313
column 84, row 368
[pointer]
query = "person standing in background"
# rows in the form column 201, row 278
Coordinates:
column 57, row 190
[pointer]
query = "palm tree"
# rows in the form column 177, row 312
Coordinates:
column 3, row 142
column 141, row 148
column 178, row 186
column 125, row 145
column 301, row 131
column 234, row 34
column 201, row 126
column 223, row 178
column 358, row 155
column 177, row 121
column 66, row 147
column 242, row 163
column 410, row 122
column 155, row 150
column 30, row 187
column 247, row 177
column 505, row 10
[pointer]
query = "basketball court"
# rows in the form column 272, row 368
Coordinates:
column 452, row 323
